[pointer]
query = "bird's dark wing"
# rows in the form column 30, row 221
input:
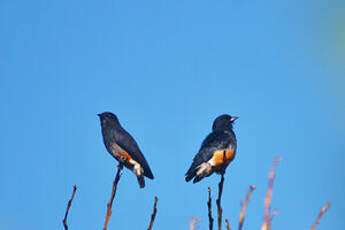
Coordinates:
column 127, row 143
column 214, row 141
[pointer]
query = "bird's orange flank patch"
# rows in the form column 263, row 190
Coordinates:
column 124, row 156
column 218, row 157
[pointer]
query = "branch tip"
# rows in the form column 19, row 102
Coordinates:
column 193, row 222
column 64, row 221
column 209, row 206
column 268, row 197
column 113, row 192
column 154, row 213
column 227, row 224
column 323, row 210
column 244, row 206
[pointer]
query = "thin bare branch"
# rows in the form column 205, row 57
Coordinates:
column 220, row 192
column 113, row 192
column 192, row 223
column 154, row 213
column 323, row 210
column 209, row 205
column 227, row 224
column 268, row 198
column 64, row 221
column 244, row 207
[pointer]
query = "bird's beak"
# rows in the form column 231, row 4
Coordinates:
column 234, row 118
column 99, row 114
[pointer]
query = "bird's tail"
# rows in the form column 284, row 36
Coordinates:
column 199, row 172
column 194, row 175
column 141, row 181
column 190, row 174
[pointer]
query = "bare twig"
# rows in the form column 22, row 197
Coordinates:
column 110, row 203
column 323, row 210
column 154, row 213
column 220, row 192
column 227, row 224
column 209, row 205
column 64, row 221
column 244, row 207
column 268, row 198
column 192, row 223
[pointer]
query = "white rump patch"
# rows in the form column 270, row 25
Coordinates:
column 204, row 169
column 137, row 169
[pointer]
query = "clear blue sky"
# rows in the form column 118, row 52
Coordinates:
column 167, row 69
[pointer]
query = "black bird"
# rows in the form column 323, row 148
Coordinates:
column 219, row 143
column 122, row 146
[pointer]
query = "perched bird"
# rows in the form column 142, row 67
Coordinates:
column 121, row 145
column 216, row 151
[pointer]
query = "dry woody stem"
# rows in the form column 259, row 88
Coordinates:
column 110, row 203
column 154, row 213
column 268, row 198
column 244, row 207
column 64, row 221
column 323, row 210
column 209, row 206
column 227, row 224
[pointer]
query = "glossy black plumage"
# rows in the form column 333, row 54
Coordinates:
column 117, row 141
column 221, row 138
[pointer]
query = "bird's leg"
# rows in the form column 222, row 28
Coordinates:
column 223, row 166
column 220, row 192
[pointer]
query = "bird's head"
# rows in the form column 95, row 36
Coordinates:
column 108, row 118
column 224, row 121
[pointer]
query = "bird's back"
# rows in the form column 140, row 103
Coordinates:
column 119, row 136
